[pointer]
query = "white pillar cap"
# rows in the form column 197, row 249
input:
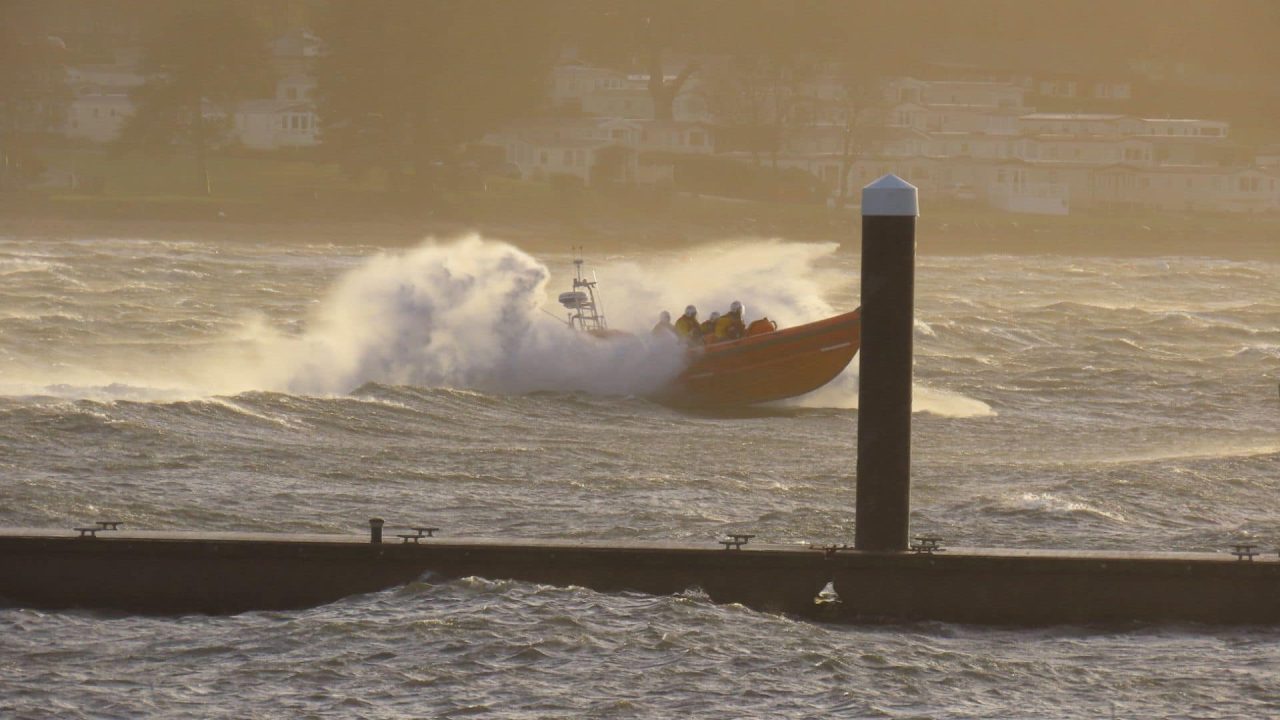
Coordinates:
column 890, row 195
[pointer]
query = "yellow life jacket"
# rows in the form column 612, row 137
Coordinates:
column 729, row 327
column 687, row 327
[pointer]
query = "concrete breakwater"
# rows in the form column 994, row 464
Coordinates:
column 200, row 572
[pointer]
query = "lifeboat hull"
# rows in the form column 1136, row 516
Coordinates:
column 769, row 366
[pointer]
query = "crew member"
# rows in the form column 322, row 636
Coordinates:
column 664, row 324
column 730, row 325
column 687, row 326
column 709, row 327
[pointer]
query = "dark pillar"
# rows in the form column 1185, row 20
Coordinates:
column 889, row 210
column 375, row 530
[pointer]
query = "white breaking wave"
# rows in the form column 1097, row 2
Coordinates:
column 843, row 393
column 472, row 314
column 462, row 314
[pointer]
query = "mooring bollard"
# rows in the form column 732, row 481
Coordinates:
column 375, row 530
column 889, row 211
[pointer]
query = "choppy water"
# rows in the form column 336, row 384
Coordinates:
column 1065, row 402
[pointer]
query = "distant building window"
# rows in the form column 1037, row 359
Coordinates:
column 291, row 93
column 698, row 138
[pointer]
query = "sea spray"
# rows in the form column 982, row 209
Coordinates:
column 469, row 313
column 461, row 314
column 787, row 282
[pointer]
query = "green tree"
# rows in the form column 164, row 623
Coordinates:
column 406, row 83
column 205, row 58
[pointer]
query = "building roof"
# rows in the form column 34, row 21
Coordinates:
column 1073, row 116
column 564, row 143
column 1182, row 120
column 117, row 99
column 270, row 106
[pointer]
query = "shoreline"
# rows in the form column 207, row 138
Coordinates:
column 996, row 235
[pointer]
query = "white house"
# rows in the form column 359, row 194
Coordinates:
column 573, row 81
column 1072, row 87
column 573, row 145
column 104, row 79
column 630, row 98
column 275, row 124
column 953, row 92
column 296, row 87
column 956, row 118
column 295, row 52
column 675, row 136
column 1268, row 156
column 100, row 101
column 97, row 118
column 625, row 102
column 1188, row 189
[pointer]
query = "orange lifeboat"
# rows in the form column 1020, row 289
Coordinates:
column 766, row 364
column 770, row 365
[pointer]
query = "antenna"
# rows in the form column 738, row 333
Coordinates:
column 581, row 301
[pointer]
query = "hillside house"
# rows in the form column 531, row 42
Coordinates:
column 953, row 92
column 573, row 146
column 97, row 118
column 1188, row 189
column 571, row 82
column 274, row 124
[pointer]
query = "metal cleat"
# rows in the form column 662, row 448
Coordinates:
column 926, row 545
column 829, row 550
column 1244, row 551
column 87, row 532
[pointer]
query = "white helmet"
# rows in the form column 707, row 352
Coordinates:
column 690, row 311
column 715, row 315
column 735, row 307
column 664, row 316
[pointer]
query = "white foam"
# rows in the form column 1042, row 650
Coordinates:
column 842, row 393
column 462, row 314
